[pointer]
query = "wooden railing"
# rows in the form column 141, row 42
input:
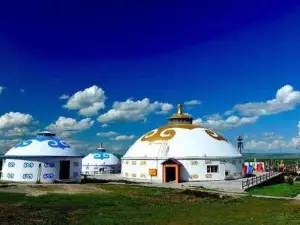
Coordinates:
column 258, row 179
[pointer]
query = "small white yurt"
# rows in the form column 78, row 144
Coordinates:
column 100, row 162
column 182, row 151
column 43, row 159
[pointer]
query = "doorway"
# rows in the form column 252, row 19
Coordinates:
column 170, row 174
column 171, row 170
column 64, row 171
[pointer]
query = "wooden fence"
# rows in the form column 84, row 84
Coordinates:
column 250, row 182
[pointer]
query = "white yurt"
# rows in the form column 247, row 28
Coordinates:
column 182, row 151
column 100, row 162
column 42, row 159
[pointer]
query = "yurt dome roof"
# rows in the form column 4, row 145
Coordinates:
column 180, row 138
column 43, row 145
column 100, row 157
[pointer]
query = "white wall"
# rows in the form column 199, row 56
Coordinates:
column 191, row 170
column 28, row 170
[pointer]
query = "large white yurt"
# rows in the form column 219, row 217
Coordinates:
column 100, row 162
column 182, row 151
column 42, row 159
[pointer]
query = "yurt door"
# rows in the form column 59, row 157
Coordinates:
column 38, row 180
column 64, row 170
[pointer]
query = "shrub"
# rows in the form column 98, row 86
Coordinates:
column 290, row 180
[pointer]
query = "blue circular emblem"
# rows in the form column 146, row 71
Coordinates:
column 75, row 164
column 10, row 176
column 27, row 176
column 75, row 174
column 28, row 164
column 49, row 164
column 11, row 164
column 48, row 176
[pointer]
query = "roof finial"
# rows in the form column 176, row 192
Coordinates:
column 179, row 109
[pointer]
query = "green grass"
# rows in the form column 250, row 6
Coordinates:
column 126, row 204
column 280, row 190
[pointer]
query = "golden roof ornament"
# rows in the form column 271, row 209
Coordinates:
column 179, row 109
column 180, row 118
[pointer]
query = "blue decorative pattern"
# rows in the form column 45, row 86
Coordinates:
column 48, row 176
column 75, row 174
column 49, row 164
column 52, row 142
column 11, row 164
column 27, row 176
column 10, row 176
column 28, row 164
column 75, row 164
column 101, row 155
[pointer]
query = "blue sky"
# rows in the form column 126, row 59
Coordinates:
column 147, row 57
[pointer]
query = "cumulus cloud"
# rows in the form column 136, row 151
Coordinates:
column 123, row 138
column 271, row 136
column 64, row 96
column 15, row 119
column 16, row 131
column 88, row 101
column 218, row 123
column 104, row 125
column 286, row 99
column 107, row 134
column 264, row 145
column 132, row 111
column 65, row 127
column 5, row 145
column 192, row 103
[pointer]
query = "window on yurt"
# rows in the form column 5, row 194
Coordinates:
column 212, row 169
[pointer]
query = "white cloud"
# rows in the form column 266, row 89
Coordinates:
column 107, row 134
column 264, row 145
column 271, row 136
column 16, row 131
column 64, row 96
column 105, row 125
column 298, row 128
column 286, row 99
column 131, row 111
column 1, row 89
column 68, row 126
column 14, row 119
column 192, row 103
column 218, row 123
column 22, row 90
column 88, row 101
column 123, row 137
column 5, row 145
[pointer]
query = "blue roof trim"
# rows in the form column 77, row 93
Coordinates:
column 37, row 156
column 52, row 142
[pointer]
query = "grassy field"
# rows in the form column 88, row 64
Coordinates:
column 124, row 204
column 282, row 190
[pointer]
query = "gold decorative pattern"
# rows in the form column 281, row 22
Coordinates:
column 166, row 132
column 215, row 135
column 133, row 175
column 208, row 161
column 126, row 162
column 195, row 176
column 194, row 163
column 143, row 162
column 133, row 162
